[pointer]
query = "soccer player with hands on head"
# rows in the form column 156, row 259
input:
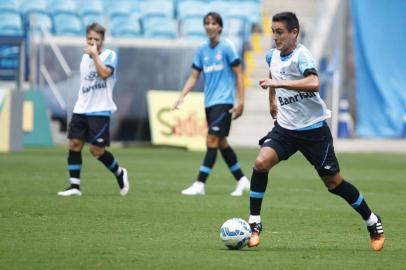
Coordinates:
column 300, row 125
column 91, row 115
column 221, row 66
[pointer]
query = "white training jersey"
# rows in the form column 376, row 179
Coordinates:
column 96, row 94
column 296, row 109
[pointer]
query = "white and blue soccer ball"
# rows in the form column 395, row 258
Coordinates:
column 235, row 233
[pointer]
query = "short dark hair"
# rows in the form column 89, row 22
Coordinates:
column 216, row 17
column 289, row 18
column 98, row 28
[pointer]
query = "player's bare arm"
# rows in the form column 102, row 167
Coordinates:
column 190, row 83
column 238, row 108
column 310, row 83
column 273, row 107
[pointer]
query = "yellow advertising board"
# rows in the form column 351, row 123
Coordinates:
column 185, row 127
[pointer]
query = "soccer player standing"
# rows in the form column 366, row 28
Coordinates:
column 221, row 66
column 300, row 125
column 91, row 114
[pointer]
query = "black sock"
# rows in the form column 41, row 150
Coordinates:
column 230, row 158
column 259, row 181
column 74, row 167
column 208, row 163
column 351, row 194
column 108, row 160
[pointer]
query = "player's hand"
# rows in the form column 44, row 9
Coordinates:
column 265, row 83
column 91, row 50
column 237, row 110
column 273, row 110
column 177, row 103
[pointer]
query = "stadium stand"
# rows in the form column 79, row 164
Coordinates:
column 125, row 26
column 10, row 23
column 160, row 8
column 67, row 25
column 160, row 27
column 192, row 28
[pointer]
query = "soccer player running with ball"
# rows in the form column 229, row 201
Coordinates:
column 300, row 125
column 91, row 114
column 221, row 66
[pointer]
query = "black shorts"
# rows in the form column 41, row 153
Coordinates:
column 219, row 119
column 315, row 144
column 90, row 128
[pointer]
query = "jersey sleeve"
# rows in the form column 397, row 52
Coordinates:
column 111, row 61
column 231, row 53
column 268, row 57
column 306, row 63
column 197, row 61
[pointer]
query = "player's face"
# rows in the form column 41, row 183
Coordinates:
column 212, row 28
column 285, row 41
column 94, row 38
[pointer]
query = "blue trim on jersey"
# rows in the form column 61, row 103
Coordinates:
column 102, row 113
column 235, row 167
column 358, row 201
column 313, row 126
column 257, row 195
column 288, row 56
column 113, row 164
column 205, row 169
column 98, row 134
column 74, row 167
column 305, row 61
column 268, row 57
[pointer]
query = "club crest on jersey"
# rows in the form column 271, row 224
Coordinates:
column 298, row 97
column 91, row 76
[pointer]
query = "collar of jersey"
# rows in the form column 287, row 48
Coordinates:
column 288, row 56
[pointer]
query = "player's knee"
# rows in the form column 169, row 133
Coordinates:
column 261, row 164
column 75, row 145
column 96, row 151
column 332, row 181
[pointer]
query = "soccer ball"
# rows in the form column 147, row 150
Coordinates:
column 235, row 233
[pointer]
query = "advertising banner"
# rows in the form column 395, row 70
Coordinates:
column 185, row 127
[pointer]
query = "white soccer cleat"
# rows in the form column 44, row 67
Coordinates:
column 242, row 185
column 70, row 192
column 126, row 183
column 197, row 188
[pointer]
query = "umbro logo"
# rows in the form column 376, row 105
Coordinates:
column 215, row 128
column 100, row 140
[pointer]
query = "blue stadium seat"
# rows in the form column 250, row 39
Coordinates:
column 89, row 7
column 234, row 26
column 220, row 6
column 62, row 7
column 157, row 8
column 38, row 22
column 118, row 8
column 160, row 28
column 30, row 6
column 11, row 24
column 192, row 28
column 125, row 26
column 67, row 25
column 192, row 8
column 9, row 5
column 91, row 18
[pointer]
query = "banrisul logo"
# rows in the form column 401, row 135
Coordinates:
column 298, row 97
column 189, row 125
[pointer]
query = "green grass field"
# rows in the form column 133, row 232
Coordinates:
column 154, row 227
